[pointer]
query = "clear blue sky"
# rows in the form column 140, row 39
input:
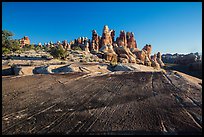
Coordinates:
column 169, row 27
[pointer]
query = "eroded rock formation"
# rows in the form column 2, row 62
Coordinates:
column 106, row 38
column 154, row 62
column 95, row 41
column 121, row 40
column 124, row 49
column 159, row 59
column 131, row 42
column 25, row 40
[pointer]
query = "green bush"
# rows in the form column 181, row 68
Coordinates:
column 38, row 48
column 46, row 49
column 5, row 50
column 58, row 52
column 27, row 47
column 8, row 44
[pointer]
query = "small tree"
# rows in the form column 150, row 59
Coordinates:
column 15, row 45
column 6, row 38
column 5, row 51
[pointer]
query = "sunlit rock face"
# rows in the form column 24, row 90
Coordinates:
column 106, row 38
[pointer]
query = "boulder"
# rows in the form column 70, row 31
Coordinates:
column 123, row 60
column 125, row 52
column 23, row 70
column 42, row 70
column 63, row 69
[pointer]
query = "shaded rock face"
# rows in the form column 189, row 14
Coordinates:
column 159, row 59
column 95, row 41
column 196, row 66
column 63, row 69
column 121, row 40
column 148, row 48
column 154, row 62
column 113, row 35
column 124, row 52
column 131, row 42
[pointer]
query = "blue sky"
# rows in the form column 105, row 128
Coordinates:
column 170, row 27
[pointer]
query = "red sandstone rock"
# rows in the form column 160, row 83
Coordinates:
column 125, row 52
column 95, row 41
column 131, row 42
column 148, row 48
column 121, row 40
column 25, row 40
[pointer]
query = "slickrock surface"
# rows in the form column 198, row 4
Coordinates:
column 113, row 103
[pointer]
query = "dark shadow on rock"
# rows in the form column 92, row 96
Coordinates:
column 26, row 58
column 41, row 70
column 126, row 132
column 63, row 69
column 7, row 72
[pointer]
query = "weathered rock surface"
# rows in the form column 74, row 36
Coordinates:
column 120, row 103
column 23, row 70
column 121, row 67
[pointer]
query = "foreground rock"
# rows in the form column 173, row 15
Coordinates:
column 125, row 103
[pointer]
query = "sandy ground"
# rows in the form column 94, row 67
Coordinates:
column 115, row 103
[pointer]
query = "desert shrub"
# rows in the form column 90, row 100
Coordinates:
column 38, row 48
column 77, row 48
column 27, row 47
column 58, row 52
column 46, row 49
column 5, row 50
